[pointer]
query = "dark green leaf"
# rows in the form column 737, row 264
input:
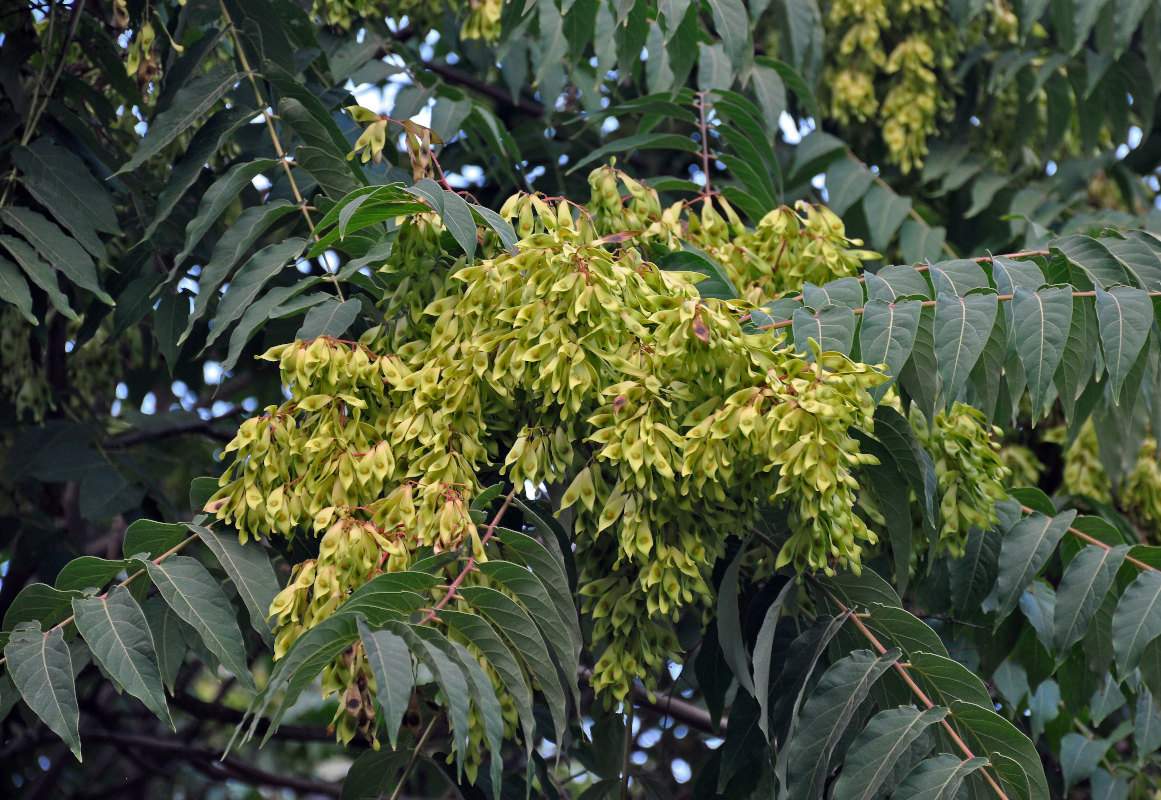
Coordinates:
column 832, row 328
column 1013, row 757
column 1137, row 620
column 644, row 141
column 331, row 318
column 1125, row 316
column 730, row 636
column 937, row 778
column 59, row 249
column 390, row 662
column 962, row 327
column 151, row 539
column 250, row 280
column 716, row 283
column 39, row 602
column 14, row 290
column 199, row 600
column 873, row 754
column 946, row 681
column 805, row 760
column 1083, row 587
column 117, row 632
column 218, row 198
column 90, row 572
column 511, row 620
column 249, row 568
column 189, row 105
column 1079, row 757
column 42, row 670
column 1025, row 549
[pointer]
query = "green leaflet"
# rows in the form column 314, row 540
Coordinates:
column 938, row 778
column 42, row 671
column 58, row 248
column 1086, row 580
column 249, row 282
column 962, row 327
column 189, row 104
column 1125, row 316
column 249, row 226
column 526, row 550
column 666, row 141
column 330, row 318
column 1013, row 757
column 38, row 602
column 152, row 538
column 198, row 599
column 1026, row 547
column 510, row 618
column 763, row 654
column 62, row 183
column 1146, row 726
column 217, row 198
column 483, row 698
column 733, row 25
column 1041, row 325
column 448, row 677
column 295, row 671
column 887, row 336
column 716, row 283
column 832, row 327
column 168, row 640
column 1137, row 620
column 973, row 574
column 911, row 461
column 730, row 636
column 885, row 212
column 1079, row 757
column 485, row 638
column 14, row 290
column 557, row 629
column 958, row 277
column 117, row 632
column 920, row 375
column 841, row 292
column 249, row 568
column 1095, row 260
column 90, row 572
column 390, row 661
column 804, row 762
column 873, row 754
column 945, row 680
column 1074, row 372
column 38, row 272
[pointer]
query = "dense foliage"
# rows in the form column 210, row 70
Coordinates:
column 480, row 398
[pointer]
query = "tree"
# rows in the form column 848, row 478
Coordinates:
column 597, row 457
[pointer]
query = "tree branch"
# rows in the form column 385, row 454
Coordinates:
column 205, row 427
column 684, row 712
column 206, row 760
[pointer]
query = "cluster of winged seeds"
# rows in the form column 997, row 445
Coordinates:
column 573, row 364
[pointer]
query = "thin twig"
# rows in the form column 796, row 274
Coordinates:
column 455, row 584
column 703, row 131
column 930, row 304
column 1093, row 540
column 269, row 117
column 628, row 751
column 414, row 757
column 920, row 695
